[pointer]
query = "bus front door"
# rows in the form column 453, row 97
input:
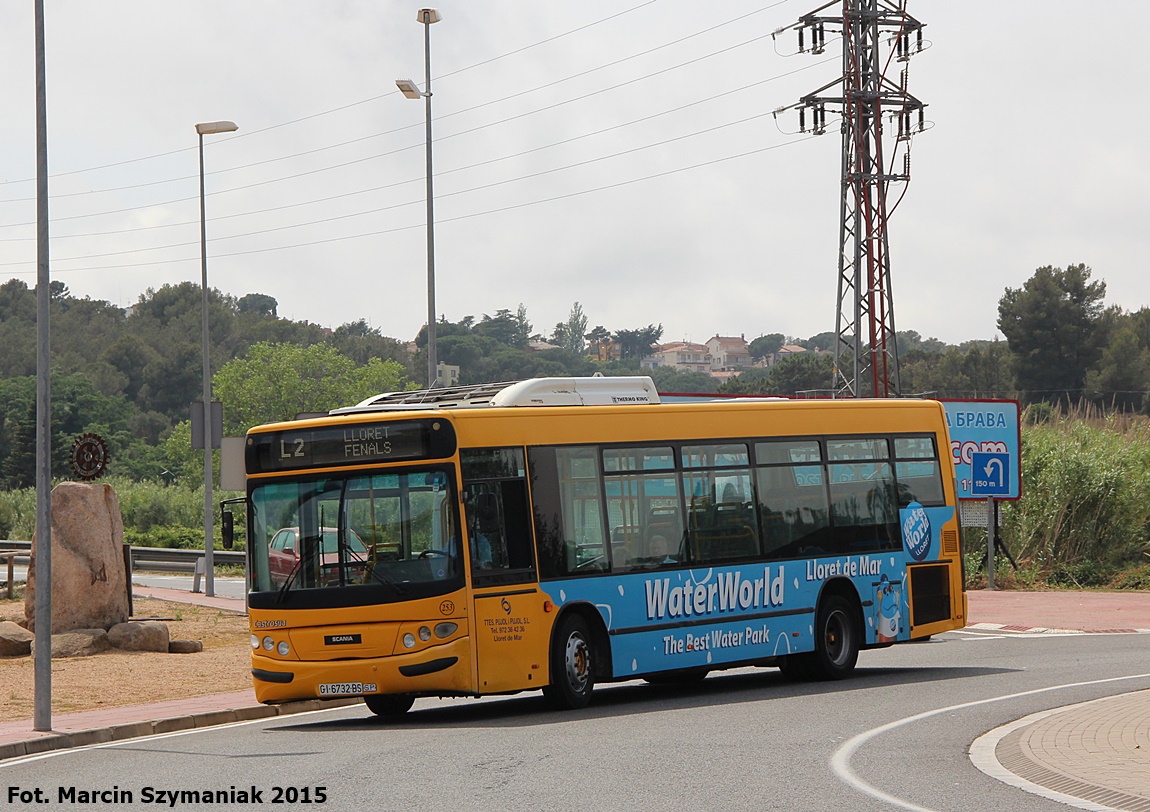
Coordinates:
column 511, row 639
column 512, row 630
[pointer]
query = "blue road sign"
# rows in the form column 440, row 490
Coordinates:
column 990, row 474
column 984, row 427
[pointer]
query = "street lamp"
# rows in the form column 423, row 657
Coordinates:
column 209, row 128
column 408, row 88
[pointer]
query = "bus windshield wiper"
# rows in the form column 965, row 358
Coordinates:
column 311, row 551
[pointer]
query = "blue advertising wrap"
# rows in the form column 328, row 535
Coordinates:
column 713, row 616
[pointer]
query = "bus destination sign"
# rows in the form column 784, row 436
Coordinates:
column 348, row 444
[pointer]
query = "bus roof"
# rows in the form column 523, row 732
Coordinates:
column 592, row 391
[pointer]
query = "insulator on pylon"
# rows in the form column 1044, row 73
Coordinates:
column 802, row 120
column 800, row 39
column 906, row 164
column 921, row 122
column 919, row 44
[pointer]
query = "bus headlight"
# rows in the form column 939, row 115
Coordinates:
column 269, row 644
column 409, row 640
column 255, row 641
column 445, row 629
column 424, row 633
column 283, row 648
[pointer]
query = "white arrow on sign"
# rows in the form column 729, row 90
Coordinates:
column 994, row 461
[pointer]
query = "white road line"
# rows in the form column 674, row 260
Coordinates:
column 156, row 737
column 840, row 761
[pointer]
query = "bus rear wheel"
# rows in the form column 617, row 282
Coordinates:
column 837, row 642
column 836, row 639
column 571, row 675
column 388, row 706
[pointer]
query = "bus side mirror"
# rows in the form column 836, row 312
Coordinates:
column 227, row 528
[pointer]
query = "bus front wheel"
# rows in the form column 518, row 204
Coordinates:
column 388, row 705
column 571, row 677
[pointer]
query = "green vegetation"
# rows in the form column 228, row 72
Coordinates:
column 130, row 375
column 1084, row 516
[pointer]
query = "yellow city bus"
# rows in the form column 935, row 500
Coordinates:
column 557, row 533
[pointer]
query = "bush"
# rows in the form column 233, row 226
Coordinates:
column 1080, row 574
column 151, row 511
column 1137, row 577
column 181, row 538
column 1085, row 496
column 17, row 514
column 147, row 505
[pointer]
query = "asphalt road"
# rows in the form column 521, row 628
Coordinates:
column 228, row 587
column 896, row 736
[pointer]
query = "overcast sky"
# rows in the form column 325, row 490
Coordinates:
column 618, row 154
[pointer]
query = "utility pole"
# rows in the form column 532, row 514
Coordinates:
column 878, row 39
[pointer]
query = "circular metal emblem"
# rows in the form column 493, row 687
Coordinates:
column 89, row 456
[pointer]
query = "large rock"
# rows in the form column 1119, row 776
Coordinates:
column 185, row 647
column 78, row 643
column 15, row 640
column 146, row 635
column 89, row 585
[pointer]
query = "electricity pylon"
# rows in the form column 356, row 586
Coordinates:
column 877, row 35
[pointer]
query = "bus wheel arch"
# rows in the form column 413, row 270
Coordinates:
column 578, row 655
column 839, row 636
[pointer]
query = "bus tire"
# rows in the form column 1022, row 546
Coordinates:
column 837, row 639
column 572, row 679
column 388, row 706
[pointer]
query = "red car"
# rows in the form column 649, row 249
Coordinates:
column 283, row 557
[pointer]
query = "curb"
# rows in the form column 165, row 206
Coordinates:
column 133, row 730
column 1006, row 627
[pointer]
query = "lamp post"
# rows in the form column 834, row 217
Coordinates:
column 427, row 16
column 210, row 128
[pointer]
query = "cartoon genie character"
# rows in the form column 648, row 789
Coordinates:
column 889, row 612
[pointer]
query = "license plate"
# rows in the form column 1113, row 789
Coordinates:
column 340, row 688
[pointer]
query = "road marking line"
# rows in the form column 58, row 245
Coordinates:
column 840, row 761
column 157, row 736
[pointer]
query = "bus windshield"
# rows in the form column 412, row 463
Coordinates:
column 391, row 535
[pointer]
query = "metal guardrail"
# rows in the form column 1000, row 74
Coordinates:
column 153, row 559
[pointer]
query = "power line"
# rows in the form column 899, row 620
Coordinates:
column 330, row 198
column 484, row 213
column 465, row 132
column 440, row 118
column 339, row 109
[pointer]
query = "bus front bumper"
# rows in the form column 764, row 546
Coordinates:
column 444, row 669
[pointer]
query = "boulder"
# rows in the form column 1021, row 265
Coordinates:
column 89, row 584
column 185, row 647
column 78, row 643
column 15, row 640
column 146, row 635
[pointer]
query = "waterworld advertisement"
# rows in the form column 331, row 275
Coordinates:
column 705, row 617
